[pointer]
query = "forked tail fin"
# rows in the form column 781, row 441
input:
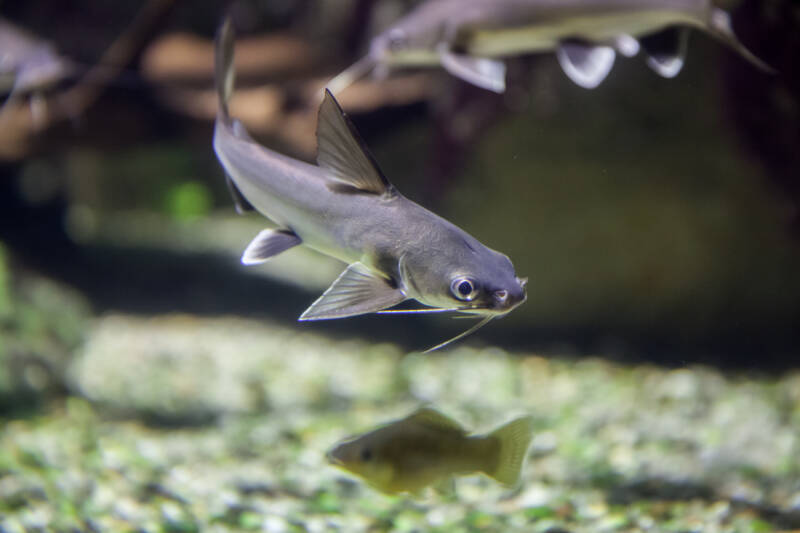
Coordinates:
column 514, row 439
column 719, row 24
column 223, row 65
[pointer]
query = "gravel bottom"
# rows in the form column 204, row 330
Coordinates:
column 181, row 424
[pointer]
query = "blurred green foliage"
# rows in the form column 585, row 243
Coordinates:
column 5, row 297
column 617, row 447
column 188, row 201
column 41, row 324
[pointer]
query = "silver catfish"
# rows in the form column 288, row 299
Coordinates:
column 28, row 64
column 345, row 207
column 469, row 37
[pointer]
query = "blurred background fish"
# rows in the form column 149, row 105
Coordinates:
column 426, row 446
column 470, row 38
column 28, row 66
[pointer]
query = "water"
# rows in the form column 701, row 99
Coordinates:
column 148, row 380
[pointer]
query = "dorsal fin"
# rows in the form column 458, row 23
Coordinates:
column 342, row 152
column 427, row 416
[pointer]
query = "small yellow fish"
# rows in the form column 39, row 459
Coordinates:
column 425, row 447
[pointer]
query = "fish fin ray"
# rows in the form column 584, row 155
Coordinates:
column 239, row 201
column 343, row 153
column 430, row 417
column 269, row 243
column 666, row 51
column 223, row 62
column 356, row 291
column 514, row 439
column 489, row 74
column 585, row 64
column 719, row 25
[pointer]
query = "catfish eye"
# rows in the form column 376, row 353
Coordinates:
column 397, row 40
column 366, row 454
column 464, row 289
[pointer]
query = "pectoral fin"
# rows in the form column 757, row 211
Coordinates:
column 342, row 152
column 585, row 64
column 355, row 292
column 486, row 73
column 666, row 51
column 269, row 243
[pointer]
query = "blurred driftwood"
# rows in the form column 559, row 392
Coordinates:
column 181, row 68
column 277, row 95
column 184, row 58
column 271, row 110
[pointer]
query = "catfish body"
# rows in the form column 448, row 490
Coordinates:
column 470, row 37
column 29, row 66
column 345, row 207
column 426, row 447
column 28, row 63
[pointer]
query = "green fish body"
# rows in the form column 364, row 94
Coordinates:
column 427, row 447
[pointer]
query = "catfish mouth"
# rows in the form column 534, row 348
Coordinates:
column 501, row 302
column 495, row 311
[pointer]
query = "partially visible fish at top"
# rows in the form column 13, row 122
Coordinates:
column 28, row 65
column 469, row 38
column 427, row 447
column 346, row 208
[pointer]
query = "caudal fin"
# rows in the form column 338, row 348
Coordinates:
column 514, row 438
column 223, row 65
column 719, row 24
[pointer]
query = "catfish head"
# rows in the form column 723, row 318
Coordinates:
column 464, row 275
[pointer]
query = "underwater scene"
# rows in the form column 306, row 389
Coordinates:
column 400, row 266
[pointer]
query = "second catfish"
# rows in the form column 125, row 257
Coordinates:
column 470, row 38
column 347, row 209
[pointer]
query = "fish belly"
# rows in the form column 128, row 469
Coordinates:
column 598, row 28
column 316, row 221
